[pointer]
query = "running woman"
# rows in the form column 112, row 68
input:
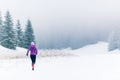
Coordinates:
column 33, row 52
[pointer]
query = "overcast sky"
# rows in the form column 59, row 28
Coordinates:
column 53, row 17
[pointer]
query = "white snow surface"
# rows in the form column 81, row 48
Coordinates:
column 92, row 62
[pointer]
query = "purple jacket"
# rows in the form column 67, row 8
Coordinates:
column 33, row 50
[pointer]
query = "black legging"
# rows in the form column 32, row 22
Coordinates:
column 33, row 58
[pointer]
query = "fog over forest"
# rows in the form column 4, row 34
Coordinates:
column 66, row 23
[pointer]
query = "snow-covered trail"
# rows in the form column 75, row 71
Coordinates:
column 91, row 67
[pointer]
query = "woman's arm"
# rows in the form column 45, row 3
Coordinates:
column 28, row 51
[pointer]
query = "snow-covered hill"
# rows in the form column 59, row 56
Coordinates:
column 93, row 62
column 6, row 53
column 21, row 53
column 98, row 48
column 95, row 49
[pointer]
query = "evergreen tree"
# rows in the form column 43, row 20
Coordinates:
column 28, row 35
column 19, row 35
column 1, row 28
column 9, row 33
column 114, row 40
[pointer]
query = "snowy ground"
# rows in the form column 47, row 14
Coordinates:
column 92, row 62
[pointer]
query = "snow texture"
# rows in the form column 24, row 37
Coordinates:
column 92, row 62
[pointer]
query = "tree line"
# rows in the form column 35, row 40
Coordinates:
column 12, row 36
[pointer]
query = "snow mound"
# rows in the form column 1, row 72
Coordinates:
column 94, row 49
column 56, row 53
column 8, row 53
column 21, row 53
column 98, row 48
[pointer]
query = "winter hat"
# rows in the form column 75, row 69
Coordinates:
column 32, row 43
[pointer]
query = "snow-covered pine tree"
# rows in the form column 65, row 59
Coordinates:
column 1, row 28
column 28, row 35
column 9, row 33
column 114, row 40
column 112, row 45
column 19, row 34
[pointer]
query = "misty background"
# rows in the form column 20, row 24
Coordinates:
column 66, row 23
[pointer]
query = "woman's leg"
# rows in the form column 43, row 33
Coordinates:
column 33, row 59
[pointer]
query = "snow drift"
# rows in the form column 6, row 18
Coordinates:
column 95, row 49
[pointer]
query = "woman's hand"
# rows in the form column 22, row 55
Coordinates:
column 27, row 54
